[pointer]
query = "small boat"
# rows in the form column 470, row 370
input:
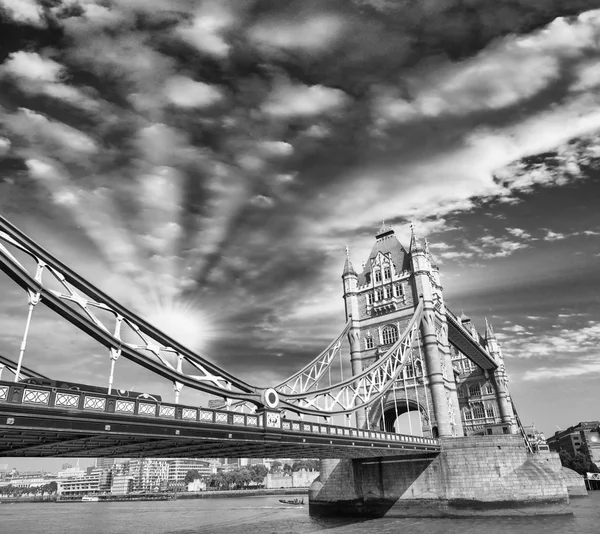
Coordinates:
column 90, row 498
column 296, row 502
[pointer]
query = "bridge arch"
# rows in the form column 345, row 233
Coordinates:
column 390, row 415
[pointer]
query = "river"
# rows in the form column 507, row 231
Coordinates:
column 264, row 515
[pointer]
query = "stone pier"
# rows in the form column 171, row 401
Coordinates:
column 471, row 476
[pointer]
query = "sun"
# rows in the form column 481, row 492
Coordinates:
column 183, row 322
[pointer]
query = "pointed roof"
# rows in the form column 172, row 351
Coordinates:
column 415, row 244
column 348, row 268
column 489, row 331
column 387, row 243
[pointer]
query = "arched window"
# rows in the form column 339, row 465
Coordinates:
column 369, row 342
column 377, row 275
column 409, row 371
column 461, row 392
column 489, row 388
column 387, row 274
column 474, row 390
column 466, row 414
column 398, row 290
column 379, row 294
column 490, row 410
column 478, row 412
column 419, row 368
column 389, row 334
column 369, row 298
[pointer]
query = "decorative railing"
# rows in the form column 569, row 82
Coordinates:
column 81, row 401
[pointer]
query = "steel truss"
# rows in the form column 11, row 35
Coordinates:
column 77, row 301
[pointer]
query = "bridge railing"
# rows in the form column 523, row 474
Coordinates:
column 14, row 393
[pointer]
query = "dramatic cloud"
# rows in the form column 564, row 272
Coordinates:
column 212, row 159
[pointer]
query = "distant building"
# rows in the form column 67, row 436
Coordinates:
column 297, row 479
column 148, row 474
column 575, row 437
column 179, row 467
column 105, row 463
column 72, row 488
column 121, row 484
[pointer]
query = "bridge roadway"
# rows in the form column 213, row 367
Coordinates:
column 37, row 421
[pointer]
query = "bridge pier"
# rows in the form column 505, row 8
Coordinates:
column 471, row 476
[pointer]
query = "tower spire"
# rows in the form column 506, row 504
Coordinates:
column 415, row 244
column 489, row 331
column 348, row 267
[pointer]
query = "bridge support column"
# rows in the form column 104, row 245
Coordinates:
column 471, row 476
column 434, row 370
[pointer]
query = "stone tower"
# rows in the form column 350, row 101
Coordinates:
column 452, row 395
column 380, row 302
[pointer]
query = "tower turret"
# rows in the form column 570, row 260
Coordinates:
column 350, row 280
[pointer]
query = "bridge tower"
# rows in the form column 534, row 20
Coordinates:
column 380, row 302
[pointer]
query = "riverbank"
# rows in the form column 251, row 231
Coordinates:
column 242, row 493
column 183, row 495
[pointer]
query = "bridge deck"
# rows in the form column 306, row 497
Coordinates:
column 44, row 421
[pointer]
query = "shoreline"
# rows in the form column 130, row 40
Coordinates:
column 176, row 496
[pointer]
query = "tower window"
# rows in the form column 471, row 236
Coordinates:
column 387, row 273
column 490, row 410
column 368, row 278
column 377, row 275
column 386, row 293
column 461, row 392
column 369, row 298
column 467, row 414
column 474, row 390
column 478, row 412
column 379, row 294
column 390, row 335
column 489, row 388
column 369, row 342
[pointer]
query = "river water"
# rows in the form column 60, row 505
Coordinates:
column 264, row 515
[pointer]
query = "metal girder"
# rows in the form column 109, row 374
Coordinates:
column 24, row 372
column 76, row 303
column 364, row 389
column 308, row 377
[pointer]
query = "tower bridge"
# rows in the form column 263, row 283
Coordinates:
column 407, row 352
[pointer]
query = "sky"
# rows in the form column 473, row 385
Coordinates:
column 207, row 162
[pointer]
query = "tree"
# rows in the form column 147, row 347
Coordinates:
column 287, row 468
column 258, row 473
column 191, row 475
column 275, row 466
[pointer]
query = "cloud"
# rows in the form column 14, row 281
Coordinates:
column 519, row 232
column 311, row 33
column 553, row 236
column 300, row 100
column 206, row 30
column 187, row 93
column 35, row 129
column 23, row 11
column 32, row 66
column 587, row 76
column 34, row 74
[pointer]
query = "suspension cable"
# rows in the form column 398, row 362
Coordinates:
column 406, row 399
column 417, row 394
